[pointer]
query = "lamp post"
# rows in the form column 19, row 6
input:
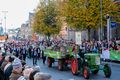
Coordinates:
column 108, row 28
column 100, row 30
column 5, row 12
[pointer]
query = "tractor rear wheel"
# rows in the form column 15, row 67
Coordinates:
column 86, row 73
column 74, row 66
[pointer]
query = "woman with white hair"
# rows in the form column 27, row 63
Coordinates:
column 42, row 76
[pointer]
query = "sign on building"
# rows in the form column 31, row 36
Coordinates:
column 113, row 24
column 78, row 38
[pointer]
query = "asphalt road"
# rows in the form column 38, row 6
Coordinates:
column 67, row 75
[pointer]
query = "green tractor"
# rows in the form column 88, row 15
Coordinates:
column 89, row 64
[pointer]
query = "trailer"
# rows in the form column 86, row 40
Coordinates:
column 62, row 59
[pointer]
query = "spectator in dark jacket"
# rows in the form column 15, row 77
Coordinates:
column 8, row 68
column 43, row 56
column 35, row 55
column 1, row 75
column 30, row 51
column 24, row 53
column 17, row 51
column 38, row 52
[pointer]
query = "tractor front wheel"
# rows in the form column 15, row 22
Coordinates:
column 95, row 72
column 60, row 65
column 107, row 71
column 49, row 62
column 86, row 73
column 74, row 66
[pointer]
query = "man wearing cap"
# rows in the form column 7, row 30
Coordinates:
column 17, row 70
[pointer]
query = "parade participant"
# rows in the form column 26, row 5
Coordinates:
column 8, row 51
column 62, row 50
column 30, row 51
column 43, row 56
column 74, row 49
column 38, row 52
column 11, row 50
column 35, row 55
column 17, row 51
column 81, row 51
column 24, row 53
column 42, row 52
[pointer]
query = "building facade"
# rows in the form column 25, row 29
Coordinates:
column 13, row 33
column 26, row 28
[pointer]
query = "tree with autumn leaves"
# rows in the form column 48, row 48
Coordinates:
column 79, row 15
column 46, row 20
column 85, row 14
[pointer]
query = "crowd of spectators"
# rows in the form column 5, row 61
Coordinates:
column 13, row 60
column 13, row 65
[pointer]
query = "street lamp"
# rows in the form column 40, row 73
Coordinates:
column 5, row 12
column 108, row 27
column 100, row 36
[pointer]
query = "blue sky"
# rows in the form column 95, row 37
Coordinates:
column 18, row 11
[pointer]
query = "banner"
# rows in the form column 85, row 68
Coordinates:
column 114, row 55
column 35, row 37
column 105, row 54
column 78, row 38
